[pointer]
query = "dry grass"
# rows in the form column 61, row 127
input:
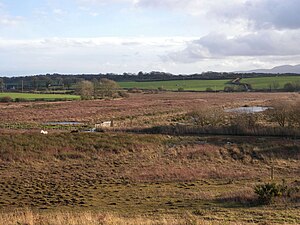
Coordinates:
column 138, row 110
column 131, row 174
column 91, row 218
column 114, row 177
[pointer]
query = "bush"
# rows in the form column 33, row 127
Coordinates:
column 284, row 113
column 39, row 99
column 209, row 89
column 267, row 193
column 21, row 100
column 180, row 89
column 228, row 89
column 123, row 94
column 206, row 117
column 160, row 89
column 134, row 90
column 6, row 99
column 244, row 120
column 295, row 114
column 289, row 87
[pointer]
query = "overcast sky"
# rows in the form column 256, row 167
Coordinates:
column 177, row 36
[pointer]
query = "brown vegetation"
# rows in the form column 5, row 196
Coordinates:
column 145, row 109
column 121, row 177
column 92, row 218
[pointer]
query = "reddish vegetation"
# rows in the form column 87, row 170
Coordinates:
column 136, row 106
column 135, row 173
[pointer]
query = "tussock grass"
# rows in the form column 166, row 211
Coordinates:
column 134, row 178
column 29, row 217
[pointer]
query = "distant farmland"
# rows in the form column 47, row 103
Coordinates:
column 189, row 85
column 265, row 82
column 31, row 97
column 202, row 85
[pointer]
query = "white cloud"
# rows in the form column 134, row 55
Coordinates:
column 104, row 2
column 10, row 21
column 59, row 12
column 94, row 14
column 230, row 34
column 86, row 55
column 264, row 43
column 264, row 14
column 277, row 14
column 6, row 19
column 193, row 7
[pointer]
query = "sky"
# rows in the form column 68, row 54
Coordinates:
column 118, row 36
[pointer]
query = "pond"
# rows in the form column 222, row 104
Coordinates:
column 250, row 109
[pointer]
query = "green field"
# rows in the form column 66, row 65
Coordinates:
column 189, row 85
column 30, row 96
column 265, row 82
column 202, row 85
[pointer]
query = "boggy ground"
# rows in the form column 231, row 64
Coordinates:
column 137, row 110
column 209, row 178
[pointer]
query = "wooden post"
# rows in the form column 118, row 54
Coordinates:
column 272, row 172
column 112, row 123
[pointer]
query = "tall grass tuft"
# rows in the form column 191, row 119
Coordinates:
column 28, row 217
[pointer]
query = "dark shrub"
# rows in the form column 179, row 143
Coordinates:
column 123, row 94
column 6, row 99
column 134, row 90
column 21, row 100
column 267, row 192
column 289, row 87
column 228, row 89
column 39, row 99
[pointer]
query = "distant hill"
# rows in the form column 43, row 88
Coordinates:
column 278, row 69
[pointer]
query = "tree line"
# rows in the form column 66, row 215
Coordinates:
column 68, row 82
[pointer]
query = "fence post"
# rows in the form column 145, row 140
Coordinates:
column 272, row 172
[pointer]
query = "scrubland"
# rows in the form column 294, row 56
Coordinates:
column 120, row 176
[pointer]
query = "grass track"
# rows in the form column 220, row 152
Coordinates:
column 30, row 96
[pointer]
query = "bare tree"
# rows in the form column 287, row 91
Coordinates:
column 105, row 88
column 244, row 120
column 280, row 112
column 206, row 117
column 295, row 114
column 85, row 89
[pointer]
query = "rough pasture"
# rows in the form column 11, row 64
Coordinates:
column 133, row 110
column 210, row 178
